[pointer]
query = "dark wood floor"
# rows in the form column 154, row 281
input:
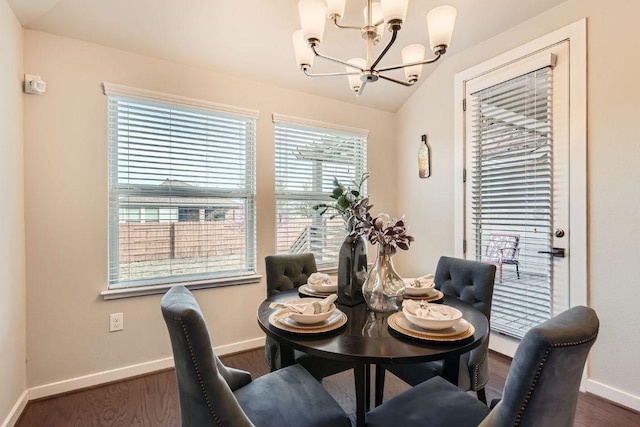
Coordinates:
column 152, row 401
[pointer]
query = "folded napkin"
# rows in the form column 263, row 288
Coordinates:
column 427, row 311
column 420, row 282
column 318, row 279
column 312, row 307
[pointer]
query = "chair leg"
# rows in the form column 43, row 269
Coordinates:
column 482, row 396
column 380, row 371
column 517, row 270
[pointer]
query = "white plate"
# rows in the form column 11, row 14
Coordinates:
column 434, row 296
column 306, row 290
column 328, row 288
column 462, row 330
column 337, row 319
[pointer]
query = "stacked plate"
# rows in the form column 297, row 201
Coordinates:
column 319, row 290
column 421, row 288
column 434, row 323
column 335, row 321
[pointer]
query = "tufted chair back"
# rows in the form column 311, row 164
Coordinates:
column 469, row 281
column 472, row 282
column 544, row 378
column 286, row 272
column 205, row 395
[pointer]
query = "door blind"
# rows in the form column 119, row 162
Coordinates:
column 307, row 160
column 182, row 193
column 512, row 196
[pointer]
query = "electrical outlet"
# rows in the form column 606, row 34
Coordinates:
column 116, row 322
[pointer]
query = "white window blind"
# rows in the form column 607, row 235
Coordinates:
column 512, row 194
column 307, row 159
column 182, row 192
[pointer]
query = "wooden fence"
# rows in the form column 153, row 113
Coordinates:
column 190, row 239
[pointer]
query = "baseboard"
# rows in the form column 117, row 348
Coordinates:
column 503, row 344
column 616, row 396
column 118, row 374
column 16, row 411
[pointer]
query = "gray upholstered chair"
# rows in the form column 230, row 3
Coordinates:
column 541, row 389
column 472, row 282
column 213, row 395
column 286, row 272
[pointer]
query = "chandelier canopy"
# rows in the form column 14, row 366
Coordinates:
column 360, row 71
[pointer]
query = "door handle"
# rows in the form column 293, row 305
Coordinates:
column 556, row 252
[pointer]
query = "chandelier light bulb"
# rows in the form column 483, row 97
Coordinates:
column 335, row 8
column 313, row 15
column 354, row 79
column 304, row 54
column 410, row 54
column 440, row 22
column 394, row 10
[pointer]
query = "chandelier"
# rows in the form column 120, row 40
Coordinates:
column 360, row 71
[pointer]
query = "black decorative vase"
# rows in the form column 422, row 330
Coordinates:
column 352, row 270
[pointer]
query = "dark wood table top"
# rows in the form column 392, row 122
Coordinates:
column 366, row 337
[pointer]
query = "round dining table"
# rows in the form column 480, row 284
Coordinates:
column 366, row 339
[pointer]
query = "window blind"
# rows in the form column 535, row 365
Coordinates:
column 182, row 193
column 512, row 193
column 307, row 159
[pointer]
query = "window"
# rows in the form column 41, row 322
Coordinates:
column 174, row 164
column 308, row 156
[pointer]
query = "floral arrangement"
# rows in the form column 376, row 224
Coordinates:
column 385, row 231
column 354, row 209
column 349, row 203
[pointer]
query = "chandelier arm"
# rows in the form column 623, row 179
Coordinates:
column 329, row 74
column 397, row 67
column 400, row 82
column 384, row 51
column 329, row 58
column 334, row 18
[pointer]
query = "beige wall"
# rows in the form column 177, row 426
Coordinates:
column 613, row 174
column 12, row 267
column 66, row 203
column 66, row 199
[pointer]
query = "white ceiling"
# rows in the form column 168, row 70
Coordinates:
column 252, row 38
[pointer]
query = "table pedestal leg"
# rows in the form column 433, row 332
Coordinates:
column 360, row 372
column 450, row 370
column 287, row 357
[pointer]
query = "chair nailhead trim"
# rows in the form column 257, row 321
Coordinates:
column 197, row 369
column 539, row 372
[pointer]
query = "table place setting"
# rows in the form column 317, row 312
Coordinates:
column 433, row 322
column 319, row 285
column 422, row 288
column 303, row 315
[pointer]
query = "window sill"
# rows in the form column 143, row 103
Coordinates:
column 161, row 289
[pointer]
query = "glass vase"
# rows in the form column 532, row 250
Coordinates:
column 383, row 288
column 352, row 269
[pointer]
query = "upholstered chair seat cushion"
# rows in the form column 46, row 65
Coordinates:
column 426, row 405
column 303, row 401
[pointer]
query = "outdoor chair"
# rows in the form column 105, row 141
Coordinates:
column 502, row 248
